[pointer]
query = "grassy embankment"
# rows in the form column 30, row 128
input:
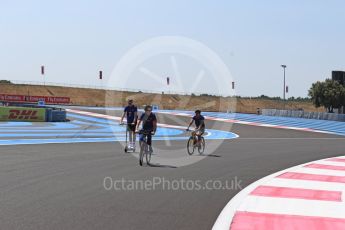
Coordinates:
column 97, row 97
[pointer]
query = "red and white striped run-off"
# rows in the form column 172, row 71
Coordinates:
column 309, row 196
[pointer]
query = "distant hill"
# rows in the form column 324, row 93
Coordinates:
column 98, row 97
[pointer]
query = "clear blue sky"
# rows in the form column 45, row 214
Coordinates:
column 74, row 39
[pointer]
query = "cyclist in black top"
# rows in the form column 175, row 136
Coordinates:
column 199, row 121
column 149, row 125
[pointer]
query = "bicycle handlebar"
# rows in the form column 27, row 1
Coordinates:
column 146, row 132
column 126, row 123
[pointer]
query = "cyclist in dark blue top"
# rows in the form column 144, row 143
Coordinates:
column 130, row 112
column 199, row 121
column 149, row 125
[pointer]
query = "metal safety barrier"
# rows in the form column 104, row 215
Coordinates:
column 303, row 114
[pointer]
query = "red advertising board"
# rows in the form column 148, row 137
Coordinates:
column 34, row 99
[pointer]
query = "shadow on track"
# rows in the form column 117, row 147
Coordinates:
column 213, row 155
column 204, row 155
column 162, row 166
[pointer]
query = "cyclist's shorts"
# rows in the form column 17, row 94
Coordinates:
column 131, row 127
column 146, row 131
column 141, row 137
column 200, row 131
column 149, row 138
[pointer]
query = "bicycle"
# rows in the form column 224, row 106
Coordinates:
column 145, row 150
column 193, row 143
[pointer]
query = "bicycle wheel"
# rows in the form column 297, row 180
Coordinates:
column 201, row 147
column 148, row 154
column 190, row 146
column 142, row 152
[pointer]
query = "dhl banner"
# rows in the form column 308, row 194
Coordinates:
column 22, row 114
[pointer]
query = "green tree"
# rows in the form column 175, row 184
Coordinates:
column 329, row 94
column 5, row 82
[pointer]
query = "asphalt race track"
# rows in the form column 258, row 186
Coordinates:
column 61, row 186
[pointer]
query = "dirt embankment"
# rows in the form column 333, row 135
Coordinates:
column 98, row 97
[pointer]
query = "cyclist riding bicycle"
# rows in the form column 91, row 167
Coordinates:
column 199, row 125
column 130, row 112
column 149, row 125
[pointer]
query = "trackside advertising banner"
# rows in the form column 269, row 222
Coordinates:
column 22, row 114
column 34, row 99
